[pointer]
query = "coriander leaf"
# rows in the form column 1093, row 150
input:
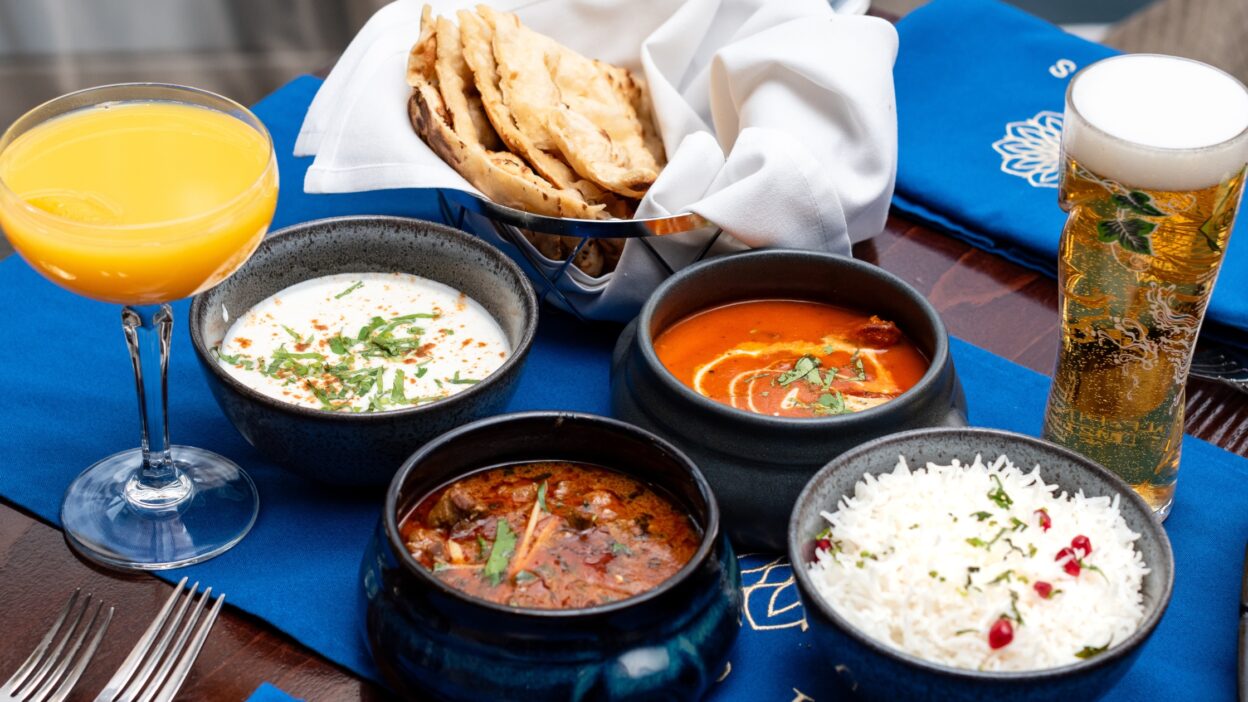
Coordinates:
column 618, row 549
column 463, row 381
column 481, row 544
column 981, row 516
column 439, row 567
column 358, row 284
column 500, row 554
column 339, row 345
column 396, row 392
column 802, row 368
column 420, row 372
column 367, row 329
column 1090, row 651
column 541, row 496
column 999, row 495
column 294, row 335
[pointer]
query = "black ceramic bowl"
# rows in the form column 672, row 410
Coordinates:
column 757, row 464
column 431, row 640
column 878, row 672
column 364, row 448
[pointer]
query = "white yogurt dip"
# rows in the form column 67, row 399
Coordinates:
column 364, row 342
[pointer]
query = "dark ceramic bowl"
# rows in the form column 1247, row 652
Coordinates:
column 362, row 449
column 431, row 640
column 741, row 452
column 878, row 672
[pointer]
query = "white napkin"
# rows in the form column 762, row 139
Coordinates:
column 778, row 119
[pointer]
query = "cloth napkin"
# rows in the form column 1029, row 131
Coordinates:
column 980, row 95
column 778, row 120
column 268, row 692
column 73, row 408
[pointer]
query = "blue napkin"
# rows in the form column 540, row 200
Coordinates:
column 73, row 403
column 980, row 93
column 268, row 692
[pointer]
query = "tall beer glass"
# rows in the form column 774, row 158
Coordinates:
column 1153, row 156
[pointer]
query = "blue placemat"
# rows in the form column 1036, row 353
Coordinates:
column 268, row 692
column 980, row 93
column 73, row 402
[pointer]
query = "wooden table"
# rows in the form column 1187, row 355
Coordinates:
column 983, row 298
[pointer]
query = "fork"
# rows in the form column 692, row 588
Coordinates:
column 49, row 677
column 1220, row 362
column 158, row 664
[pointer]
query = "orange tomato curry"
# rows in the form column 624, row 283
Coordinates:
column 791, row 358
column 550, row 535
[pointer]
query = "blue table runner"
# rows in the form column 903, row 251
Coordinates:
column 297, row 569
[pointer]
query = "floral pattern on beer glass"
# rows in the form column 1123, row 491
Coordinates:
column 1136, row 269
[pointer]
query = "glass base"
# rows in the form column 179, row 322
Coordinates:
column 1163, row 511
column 108, row 517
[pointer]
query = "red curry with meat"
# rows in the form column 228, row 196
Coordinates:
column 550, row 535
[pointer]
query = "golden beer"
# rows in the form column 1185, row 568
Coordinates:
column 1150, row 214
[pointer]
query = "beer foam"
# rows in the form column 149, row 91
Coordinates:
column 1157, row 122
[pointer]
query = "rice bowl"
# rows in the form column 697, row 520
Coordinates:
column 981, row 566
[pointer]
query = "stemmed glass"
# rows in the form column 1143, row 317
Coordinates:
column 141, row 194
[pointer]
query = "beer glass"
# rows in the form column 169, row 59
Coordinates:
column 1153, row 156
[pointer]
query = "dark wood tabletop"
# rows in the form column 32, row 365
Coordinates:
column 983, row 298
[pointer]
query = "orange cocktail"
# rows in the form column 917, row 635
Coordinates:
column 150, row 201
column 142, row 194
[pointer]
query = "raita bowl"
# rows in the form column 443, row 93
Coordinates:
column 875, row 671
column 366, row 448
column 431, row 640
column 756, row 463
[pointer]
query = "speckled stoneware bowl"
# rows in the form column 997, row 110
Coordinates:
column 878, row 672
column 757, row 464
column 363, row 449
column 433, row 641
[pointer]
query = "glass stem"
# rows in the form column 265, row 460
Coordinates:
column 149, row 331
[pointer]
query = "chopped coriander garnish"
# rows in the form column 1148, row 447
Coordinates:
column 456, row 380
column 805, row 367
column 541, row 497
column 500, row 554
column 619, row 549
column 358, row 284
column 1089, row 651
column 981, row 516
column 999, row 495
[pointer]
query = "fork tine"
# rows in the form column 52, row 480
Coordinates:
column 37, row 678
column 157, row 651
column 20, row 676
column 51, row 683
column 122, row 676
column 84, row 660
column 185, row 633
column 174, row 683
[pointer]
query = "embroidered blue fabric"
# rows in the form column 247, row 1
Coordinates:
column 980, row 93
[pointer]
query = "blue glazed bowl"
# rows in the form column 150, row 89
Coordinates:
column 429, row 639
column 362, row 449
column 739, row 451
column 875, row 671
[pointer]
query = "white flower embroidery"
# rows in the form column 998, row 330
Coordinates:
column 1030, row 149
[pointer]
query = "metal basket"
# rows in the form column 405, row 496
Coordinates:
column 462, row 210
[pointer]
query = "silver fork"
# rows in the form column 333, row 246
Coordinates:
column 49, row 676
column 1220, row 362
column 158, row 664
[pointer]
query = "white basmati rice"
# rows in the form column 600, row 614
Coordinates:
column 906, row 546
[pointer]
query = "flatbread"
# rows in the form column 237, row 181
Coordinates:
column 503, row 177
column 459, row 91
column 477, row 38
column 578, row 106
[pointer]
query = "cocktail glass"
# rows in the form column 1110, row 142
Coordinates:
column 141, row 194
